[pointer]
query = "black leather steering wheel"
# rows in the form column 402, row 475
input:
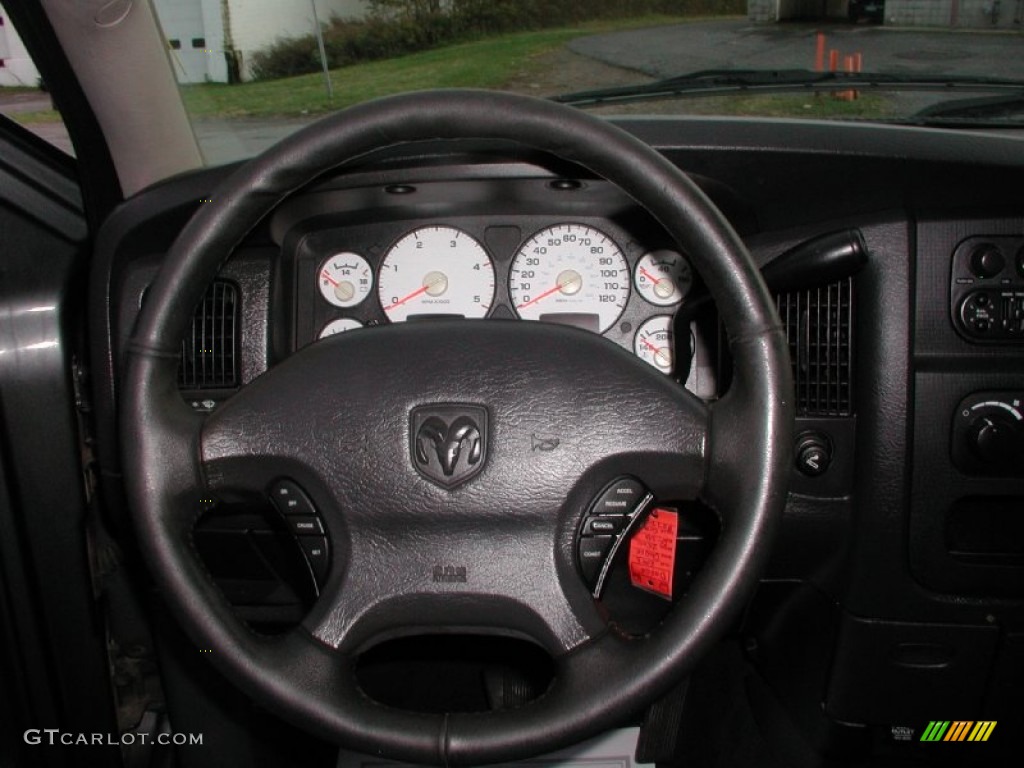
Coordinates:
column 336, row 418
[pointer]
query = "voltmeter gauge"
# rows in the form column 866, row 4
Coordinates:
column 340, row 325
column 663, row 278
column 654, row 343
column 345, row 279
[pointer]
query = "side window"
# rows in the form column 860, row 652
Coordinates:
column 23, row 95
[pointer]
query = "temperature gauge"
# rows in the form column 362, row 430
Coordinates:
column 663, row 278
column 653, row 343
column 345, row 279
column 340, row 325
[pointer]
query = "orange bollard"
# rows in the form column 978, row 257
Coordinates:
column 819, row 53
column 833, row 65
column 848, row 63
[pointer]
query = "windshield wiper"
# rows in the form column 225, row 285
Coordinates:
column 721, row 81
column 970, row 111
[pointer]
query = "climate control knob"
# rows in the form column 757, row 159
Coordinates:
column 987, row 261
column 988, row 434
column 995, row 439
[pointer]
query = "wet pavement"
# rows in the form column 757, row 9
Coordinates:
column 738, row 44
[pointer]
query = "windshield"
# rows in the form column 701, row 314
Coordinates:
column 253, row 71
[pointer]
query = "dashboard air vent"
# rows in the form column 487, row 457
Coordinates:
column 209, row 351
column 819, row 328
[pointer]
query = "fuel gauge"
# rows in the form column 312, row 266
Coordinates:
column 663, row 278
column 345, row 279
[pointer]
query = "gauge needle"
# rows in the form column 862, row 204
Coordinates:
column 433, row 280
column 566, row 280
column 661, row 285
column 649, row 276
column 404, row 299
column 328, row 278
column 658, row 352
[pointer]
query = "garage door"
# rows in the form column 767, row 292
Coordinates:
column 182, row 22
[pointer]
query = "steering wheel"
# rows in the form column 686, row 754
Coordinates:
column 335, row 417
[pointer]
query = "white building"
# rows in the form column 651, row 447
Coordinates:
column 974, row 14
column 16, row 68
column 213, row 40
column 965, row 14
column 208, row 40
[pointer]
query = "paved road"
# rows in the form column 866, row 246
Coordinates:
column 738, row 44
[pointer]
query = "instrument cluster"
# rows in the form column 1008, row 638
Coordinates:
column 572, row 273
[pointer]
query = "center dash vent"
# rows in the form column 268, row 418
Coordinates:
column 819, row 329
column 209, row 351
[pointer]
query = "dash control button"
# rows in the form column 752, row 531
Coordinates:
column 306, row 525
column 290, row 499
column 610, row 525
column 317, row 554
column 592, row 553
column 620, row 498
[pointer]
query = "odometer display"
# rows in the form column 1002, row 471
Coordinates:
column 572, row 274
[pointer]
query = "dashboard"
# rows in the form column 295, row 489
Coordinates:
column 566, row 251
column 896, row 586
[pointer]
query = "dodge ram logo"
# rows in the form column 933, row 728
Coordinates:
column 449, row 442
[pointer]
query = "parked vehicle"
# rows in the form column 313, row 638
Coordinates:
column 873, row 10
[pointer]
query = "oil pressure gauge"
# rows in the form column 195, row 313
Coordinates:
column 345, row 279
column 663, row 278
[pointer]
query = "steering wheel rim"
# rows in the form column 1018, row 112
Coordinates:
column 745, row 452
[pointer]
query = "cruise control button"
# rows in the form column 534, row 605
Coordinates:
column 620, row 498
column 290, row 499
column 592, row 553
column 604, row 526
column 316, row 552
column 305, row 525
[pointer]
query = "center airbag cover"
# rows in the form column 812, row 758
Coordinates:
column 343, row 408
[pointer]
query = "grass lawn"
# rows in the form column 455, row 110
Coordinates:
column 480, row 64
column 816, row 105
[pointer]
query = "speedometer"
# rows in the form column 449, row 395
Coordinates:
column 436, row 272
column 571, row 274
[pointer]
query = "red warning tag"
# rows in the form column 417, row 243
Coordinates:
column 652, row 553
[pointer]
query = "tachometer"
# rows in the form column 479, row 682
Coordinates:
column 572, row 274
column 436, row 272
